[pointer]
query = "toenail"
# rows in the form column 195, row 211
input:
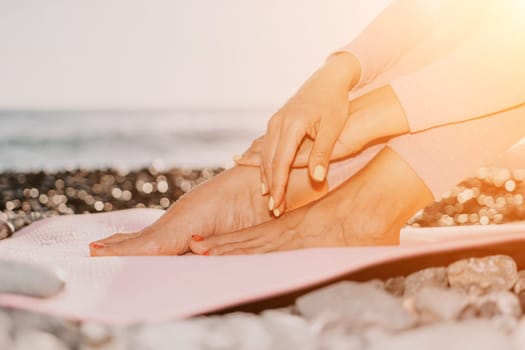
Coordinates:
column 97, row 245
column 263, row 188
column 271, row 203
column 236, row 158
column 197, row 238
column 207, row 253
column 276, row 212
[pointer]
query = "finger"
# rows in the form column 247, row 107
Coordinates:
column 252, row 159
column 141, row 245
column 289, row 141
column 210, row 244
column 251, row 156
column 280, row 209
column 117, row 237
column 322, row 149
column 268, row 151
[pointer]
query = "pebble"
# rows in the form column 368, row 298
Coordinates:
column 357, row 306
column 502, row 303
column 483, row 275
column 6, row 229
column 433, row 276
column 95, row 334
column 185, row 334
column 438, row 304
column 395, row 286
column 475, row 334
column 252, row 332
column 30, row 279
column 6, row 328
column 520, row 282
column 31, row 339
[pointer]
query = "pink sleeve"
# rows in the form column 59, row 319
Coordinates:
column 401, row 26
column 484, row 77
column 443, row 156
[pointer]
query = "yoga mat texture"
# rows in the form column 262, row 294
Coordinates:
column 123, row 290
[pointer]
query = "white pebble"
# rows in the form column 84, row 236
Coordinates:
column 510, row 185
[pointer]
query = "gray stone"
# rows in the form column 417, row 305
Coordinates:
column 30, row 279
column 340, row 341
column 483, row 275
column 395, row 286
column 6, row 327
column 475, row 334
column 518, row 336
column 357, row 305
column 433, row 276
column 520, row 282
column 31, row 339
column 376, row 283
column 491, row 305
column 433, row 303
column 290, row 331
column 519, row 288
column 251, row 331
column 66, row 330
column 6, row 229
column 95, row 334
column 185, row 334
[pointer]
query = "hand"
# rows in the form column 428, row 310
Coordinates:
column 372, row 117
column 317, row 111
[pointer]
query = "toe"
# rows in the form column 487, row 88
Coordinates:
column 129, row 247
column 117, row 237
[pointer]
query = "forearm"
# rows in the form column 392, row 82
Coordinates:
column 400, row 27
column 484, row 77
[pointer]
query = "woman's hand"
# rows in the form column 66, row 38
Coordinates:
column 372, row 117
column 318, row 111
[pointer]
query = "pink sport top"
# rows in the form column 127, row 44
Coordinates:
column 458, row 73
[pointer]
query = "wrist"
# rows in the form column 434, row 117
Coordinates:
column 345, row 66
column 381, row 112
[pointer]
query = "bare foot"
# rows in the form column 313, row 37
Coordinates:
column 368, row 209
column 229, row 202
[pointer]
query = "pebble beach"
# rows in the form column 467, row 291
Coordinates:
column 478, row 302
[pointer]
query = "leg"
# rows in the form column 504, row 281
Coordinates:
column 368, row 209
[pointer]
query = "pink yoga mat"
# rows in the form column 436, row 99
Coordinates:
column 135, row 289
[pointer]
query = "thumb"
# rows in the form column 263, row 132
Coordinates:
column 322, row 150
column 250, row 159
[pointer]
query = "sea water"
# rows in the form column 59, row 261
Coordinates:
column 55, row 140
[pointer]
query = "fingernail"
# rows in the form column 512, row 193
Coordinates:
column 236, row 157
column 319, row 173
column 276, row 212
column 263, row 188
column 97, row 245
column 197, row 238
column 207, row 253
column 271, row 203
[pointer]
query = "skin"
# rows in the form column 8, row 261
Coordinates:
column 320, row 111
column 201, row 214
column 368, row 209
column 230, row 201
column 372, row 117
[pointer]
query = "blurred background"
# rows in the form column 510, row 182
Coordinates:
column 124, row 83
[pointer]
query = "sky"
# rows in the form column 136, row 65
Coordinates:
column 168, row 54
